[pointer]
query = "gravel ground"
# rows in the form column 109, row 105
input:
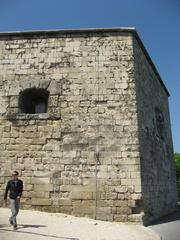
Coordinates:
column 33, row 225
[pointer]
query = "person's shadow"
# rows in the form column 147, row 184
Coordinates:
column 22, row 226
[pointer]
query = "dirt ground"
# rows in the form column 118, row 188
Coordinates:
column 33, row 225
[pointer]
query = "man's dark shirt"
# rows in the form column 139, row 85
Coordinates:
column 15, row 189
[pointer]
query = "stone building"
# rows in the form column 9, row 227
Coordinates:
column 85, row 120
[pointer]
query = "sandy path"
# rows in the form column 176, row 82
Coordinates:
column 35, row 225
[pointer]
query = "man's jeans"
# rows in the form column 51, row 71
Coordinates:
column 14, row 205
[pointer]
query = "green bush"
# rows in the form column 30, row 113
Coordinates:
column 177, row 161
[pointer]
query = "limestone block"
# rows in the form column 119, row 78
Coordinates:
column 53, row 101
column 40, row 180
column 52, row 145
column 66, row 209
column 104, row 213
column 138, row 189
column 120, row 203
column 14, row 101
column 69, row 154
column 81, row 195
column 56, row 133
column 2, row 180
column 126, row 182
column 42, row 174
column 136, row 217
column 26, row 180
column 105, row 203
column 121, row 218
column 66, row 188
column 131, row 203
column 28, row 187
column 124, row 210
column 4, row 172
column 39, row 194
column 41, row 202
column 83, row 210
column 55, row 87
column 111, row 195
column 65, row 202
column 43, row 83
column 26, row 200
column 121, row 189
column 136, row 196
column 30, row 128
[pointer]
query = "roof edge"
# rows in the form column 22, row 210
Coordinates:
column 71, row 30
column 92, row 30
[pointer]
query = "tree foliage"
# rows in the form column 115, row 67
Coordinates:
column 177, row 161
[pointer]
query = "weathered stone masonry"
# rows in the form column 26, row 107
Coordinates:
column 103, row 149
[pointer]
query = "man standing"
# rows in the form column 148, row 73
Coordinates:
column 15, row 188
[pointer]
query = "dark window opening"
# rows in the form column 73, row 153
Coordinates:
column 160, row 122
column 33, row 100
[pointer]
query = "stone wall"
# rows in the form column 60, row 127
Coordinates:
column 82, row 157
column 158, row 175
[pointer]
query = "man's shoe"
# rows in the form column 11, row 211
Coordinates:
column 10, row 221
column 15, row 227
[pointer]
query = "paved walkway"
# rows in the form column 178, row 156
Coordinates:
column 35, row 225
column 168, row 227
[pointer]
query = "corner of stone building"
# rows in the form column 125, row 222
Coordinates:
column 159, row 192
column 58, row 163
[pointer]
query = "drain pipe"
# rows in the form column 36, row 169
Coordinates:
column 96, row 157
column 96, row 182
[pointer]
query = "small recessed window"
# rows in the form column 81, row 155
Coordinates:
column 33, row 100
column 160, row 122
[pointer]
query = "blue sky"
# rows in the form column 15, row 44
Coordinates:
column 157, row 22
